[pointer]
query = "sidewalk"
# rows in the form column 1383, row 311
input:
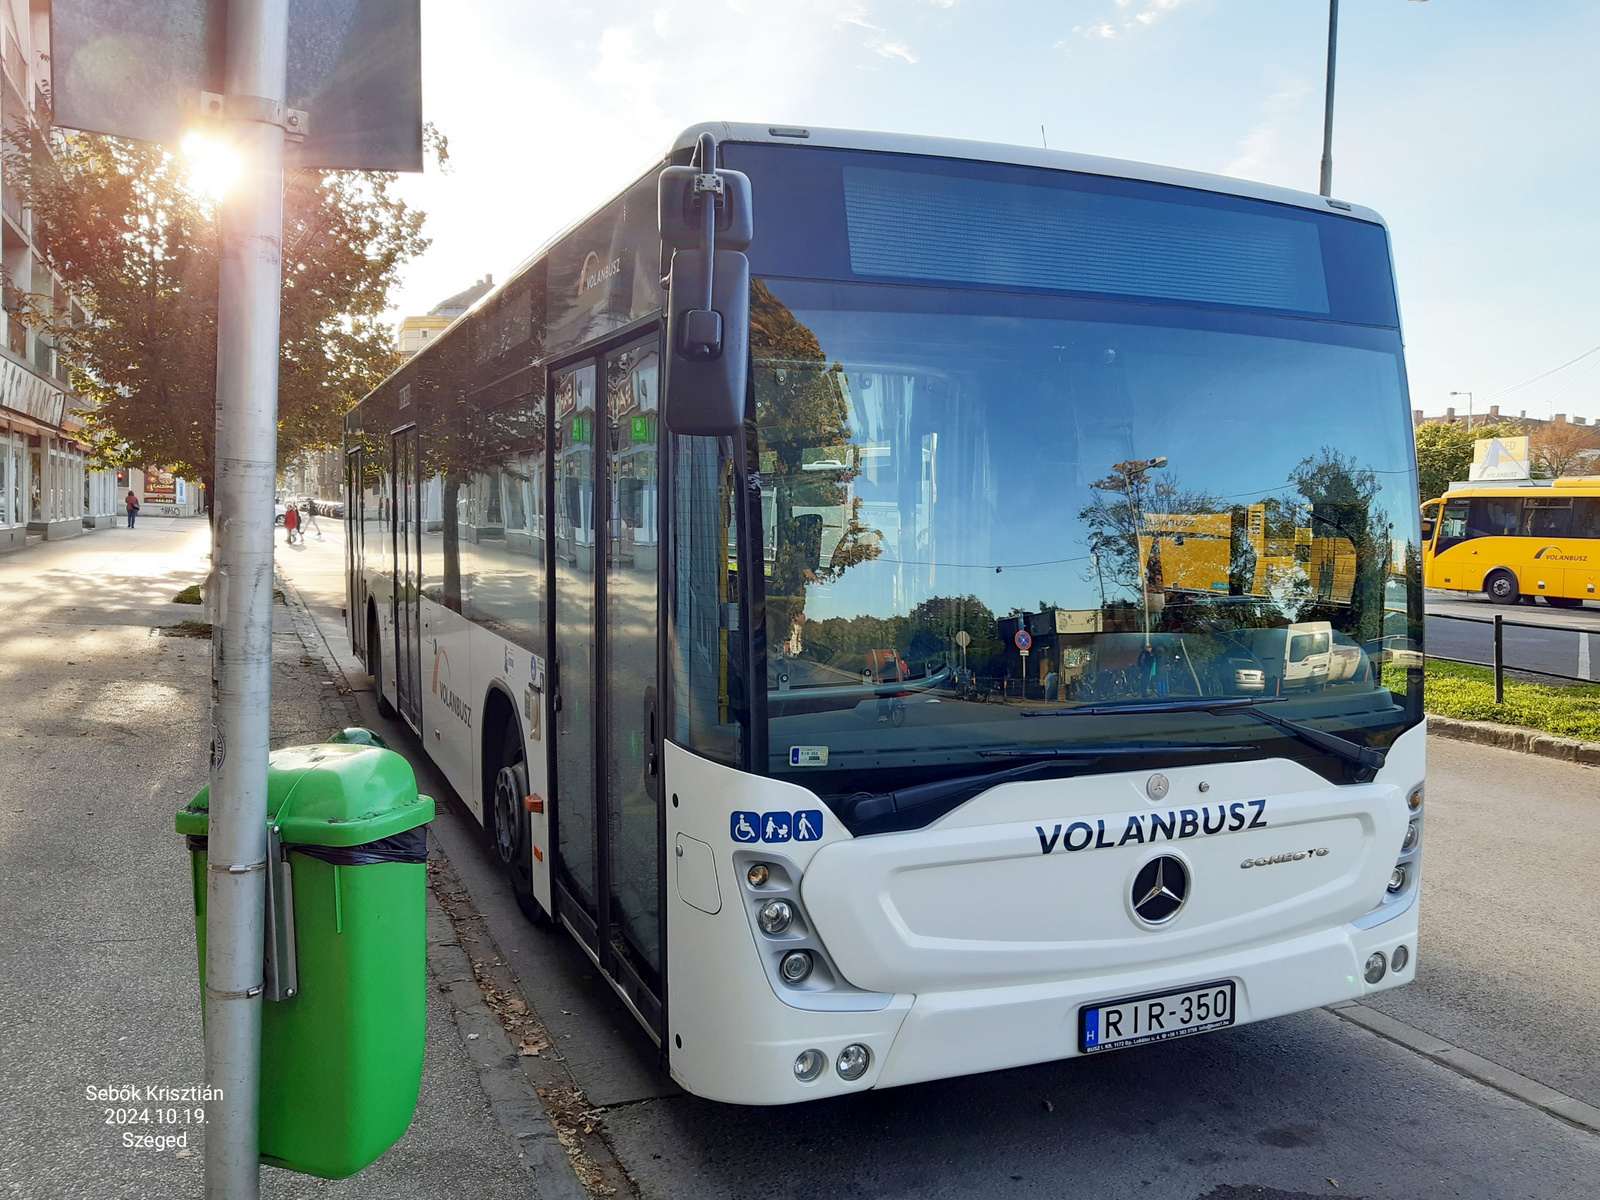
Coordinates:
column 103, row 736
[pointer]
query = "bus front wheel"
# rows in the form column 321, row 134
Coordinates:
column 1501, row 587
column 507, row 824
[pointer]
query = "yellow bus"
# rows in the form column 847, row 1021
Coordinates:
column 1515, row 543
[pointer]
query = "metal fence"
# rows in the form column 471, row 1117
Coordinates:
column 1498, row 663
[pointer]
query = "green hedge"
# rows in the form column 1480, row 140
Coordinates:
column 1467, row 693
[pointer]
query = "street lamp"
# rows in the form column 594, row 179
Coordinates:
column 1468, row 395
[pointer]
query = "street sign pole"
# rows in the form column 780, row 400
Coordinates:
column 251, row 228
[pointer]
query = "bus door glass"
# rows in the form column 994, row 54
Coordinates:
column 354, row 561
column 407, row 574
column 573, row 446
column 1452, row 525
column 632, row 843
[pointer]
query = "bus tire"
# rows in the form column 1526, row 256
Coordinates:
column 375, row 663
column 1501, row 587
column 506, row 822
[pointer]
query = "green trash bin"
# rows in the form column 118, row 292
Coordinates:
column 341, row 1058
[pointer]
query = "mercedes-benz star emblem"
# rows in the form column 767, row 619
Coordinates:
column 1160, row 889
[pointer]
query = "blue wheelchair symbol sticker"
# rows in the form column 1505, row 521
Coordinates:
column 745, row 827
column 775, row 827
column 808, row 825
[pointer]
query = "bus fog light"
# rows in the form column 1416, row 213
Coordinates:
column 758, row 874
column 1377, row 965
column 1401, row 957
column 795, row 967
column 1414, row 800
column 854, row 1060
column 1413, row 836
column 810, row 1065
column 775, row 917
column 1397, row 879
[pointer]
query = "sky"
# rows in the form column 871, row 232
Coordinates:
column 1470, row 125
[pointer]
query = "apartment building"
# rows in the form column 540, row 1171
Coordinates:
column 46, row 489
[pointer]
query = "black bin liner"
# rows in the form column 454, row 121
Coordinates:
column 408, row 847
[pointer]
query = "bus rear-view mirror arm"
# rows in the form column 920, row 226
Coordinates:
column 708, row 293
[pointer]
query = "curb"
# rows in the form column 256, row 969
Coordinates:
column 1464, row 1062
column 1516, row 737
column 316, row 646
column 511, row 1098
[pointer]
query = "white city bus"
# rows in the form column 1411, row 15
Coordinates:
column 862, row 666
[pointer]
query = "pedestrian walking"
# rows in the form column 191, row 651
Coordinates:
column 311, row 516
column 291, row 521
column 133, row 508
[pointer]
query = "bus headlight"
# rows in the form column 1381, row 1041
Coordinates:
column 795, row 967
column 1397, row 879
column 1401, row 957
column 1377, row 965
column 775, row 917
column 853, row 1062
column 1413, row 836
column 810, row 1065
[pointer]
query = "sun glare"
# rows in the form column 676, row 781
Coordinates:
column 213, row 166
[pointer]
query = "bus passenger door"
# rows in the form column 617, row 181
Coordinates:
column 605, row 531
column 574, row 680
column 355, row 589
column 407, row 501
column 631, row 793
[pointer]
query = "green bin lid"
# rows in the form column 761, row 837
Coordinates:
column 331, row 795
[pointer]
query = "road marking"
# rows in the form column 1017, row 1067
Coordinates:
column 1583, row 657
column 1464, row 1062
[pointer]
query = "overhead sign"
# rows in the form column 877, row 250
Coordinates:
column 22, row 390
column 136, row 68
column 1499, row 458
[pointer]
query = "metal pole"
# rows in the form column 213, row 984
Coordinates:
column 1326, row 188
column 250, row 220
column 1499, row 660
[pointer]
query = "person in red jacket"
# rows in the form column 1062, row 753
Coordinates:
column 291, row 521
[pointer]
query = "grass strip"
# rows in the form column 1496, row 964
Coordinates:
column 1467, row 694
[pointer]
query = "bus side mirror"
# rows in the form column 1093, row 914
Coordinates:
column 1427, row 532
column 704, row 216
column 703, row 391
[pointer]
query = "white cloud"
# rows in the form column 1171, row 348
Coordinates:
column 1150, row 11
column 1262, row 154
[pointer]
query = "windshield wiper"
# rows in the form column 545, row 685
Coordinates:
column 1368, row 761
column 871, row 806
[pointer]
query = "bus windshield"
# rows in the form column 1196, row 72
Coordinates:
column 978, row 509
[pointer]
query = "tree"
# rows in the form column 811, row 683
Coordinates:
column 1444, row 453
column 1562, row 448
column 137, row 247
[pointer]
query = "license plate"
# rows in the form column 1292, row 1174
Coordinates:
column 1154, row 1017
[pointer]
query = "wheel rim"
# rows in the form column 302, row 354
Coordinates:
column 510, row 786
column 1501, row 586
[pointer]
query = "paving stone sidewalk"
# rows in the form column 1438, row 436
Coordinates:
column 103, row 736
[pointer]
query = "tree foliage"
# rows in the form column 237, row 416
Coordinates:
column 1562, row 448
column 1444, row 453
column 137, row 247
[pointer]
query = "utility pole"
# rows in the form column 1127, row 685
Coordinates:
column 250, row 219
column 1326, row 187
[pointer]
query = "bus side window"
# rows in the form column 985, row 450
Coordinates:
column 1586, row 518
column 1453, row 524
column 1495, row 516
column 1545, row 517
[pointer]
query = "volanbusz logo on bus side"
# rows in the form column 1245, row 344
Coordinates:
column 1175, row 825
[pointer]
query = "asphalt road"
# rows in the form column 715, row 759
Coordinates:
column 1305, row 1106
column 1531, row 640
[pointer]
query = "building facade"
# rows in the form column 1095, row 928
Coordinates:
column 47, row 488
